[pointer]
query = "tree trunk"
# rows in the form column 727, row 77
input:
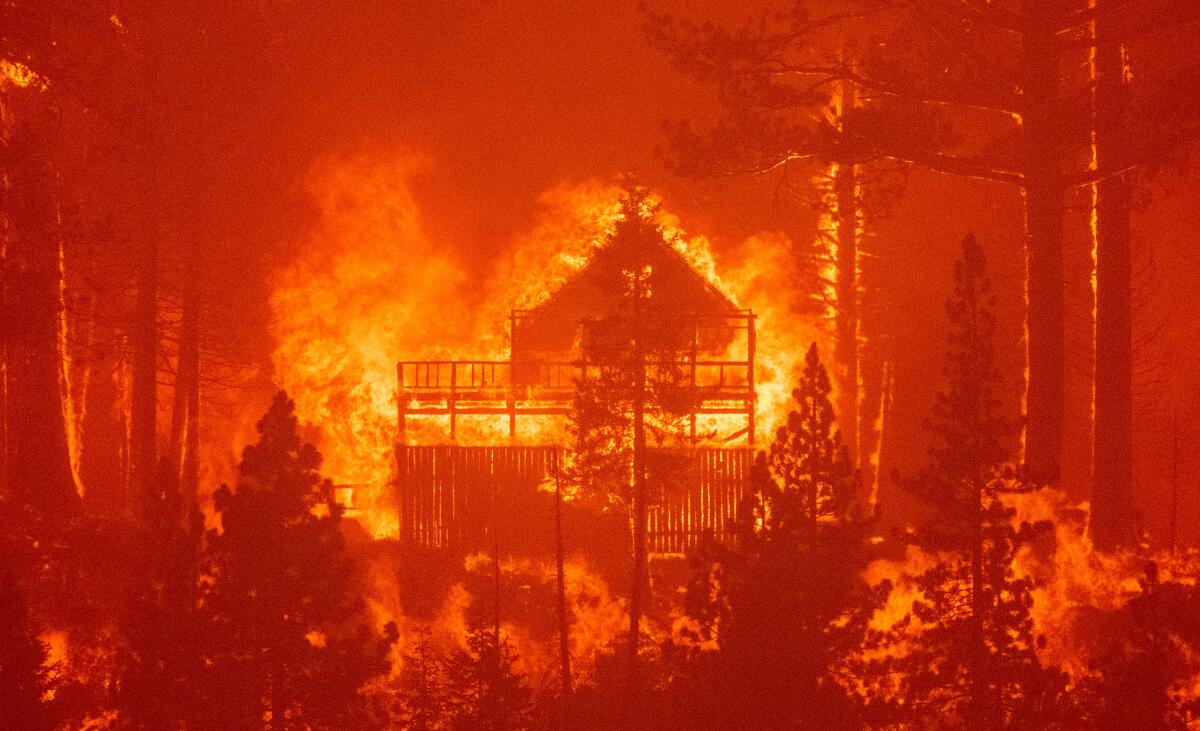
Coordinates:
column 564, row 629
column 37, row 453
column 180, row 475
column 152, row 41
column 640, row 558
column 143, row 449
column 978, row 659
column 496, row 578
column 1112, row 524
column 845, row 187
column 1044, row 201
column 190, row 472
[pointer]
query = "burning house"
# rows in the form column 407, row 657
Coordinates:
column 636, row 309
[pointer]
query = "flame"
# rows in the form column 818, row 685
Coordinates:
column 598, row 619
column 762, row 282
column 58, row 649
column 1071, row 579
column 572, row 221
column 371, row 287
column 885, row 405
column 21, row 76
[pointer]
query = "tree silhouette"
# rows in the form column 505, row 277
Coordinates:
column 974, row 661
column 483, row 689
column 422, row 696
column 632, row 390
column 287, row 631
column 1002, row 75
column 808, row 454
column 785, row 602
column 35, row 458
column 817, row 138
column 1146, row 662
column 163, row 669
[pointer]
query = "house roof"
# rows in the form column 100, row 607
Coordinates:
column 602, row 289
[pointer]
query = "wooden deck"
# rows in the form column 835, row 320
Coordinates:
column 450, row 496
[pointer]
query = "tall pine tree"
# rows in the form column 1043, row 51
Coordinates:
column 973, row 662
column 785, row 602
column 633, row 391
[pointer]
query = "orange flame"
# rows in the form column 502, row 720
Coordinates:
column 371, row 288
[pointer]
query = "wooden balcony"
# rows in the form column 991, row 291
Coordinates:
column 526, row 385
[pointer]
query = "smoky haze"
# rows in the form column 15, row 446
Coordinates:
column 632, row 364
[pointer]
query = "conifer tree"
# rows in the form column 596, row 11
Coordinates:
column 485, row 692
column 281, row 606
column 422, row 697
column 974, row 662
column 808, row 454
column 163, row 663
column 632, row 391
column 785, row 601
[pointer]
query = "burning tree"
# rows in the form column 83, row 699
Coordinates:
column 773, row 125
column 988, row 91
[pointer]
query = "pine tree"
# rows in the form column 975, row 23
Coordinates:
column 808, row 454
column 485, row 692
column 974, row 662
column 422, row 695
column 281, row 606
column 785, row 602
column 632, row 390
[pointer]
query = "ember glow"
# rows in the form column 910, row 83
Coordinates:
column 626, row 365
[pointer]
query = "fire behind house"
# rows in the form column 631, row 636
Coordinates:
column 635, row 322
